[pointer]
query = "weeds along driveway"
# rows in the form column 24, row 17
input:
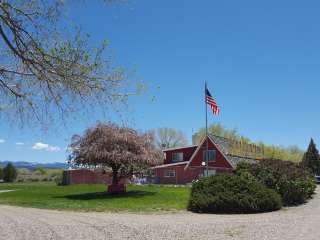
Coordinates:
column 290, row 223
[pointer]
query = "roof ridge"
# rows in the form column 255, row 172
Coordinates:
column 168, row 149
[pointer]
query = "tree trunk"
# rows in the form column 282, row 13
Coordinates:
column 115, row 187
column 115, row 179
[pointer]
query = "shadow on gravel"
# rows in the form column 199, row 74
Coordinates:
column 105, row 195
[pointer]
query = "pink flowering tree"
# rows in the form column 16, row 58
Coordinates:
column 123, row 150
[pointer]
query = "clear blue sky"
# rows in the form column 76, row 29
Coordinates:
column 260, row 59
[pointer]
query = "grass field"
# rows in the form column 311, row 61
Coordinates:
column 93, row 197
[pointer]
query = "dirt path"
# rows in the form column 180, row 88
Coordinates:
column 294, row 223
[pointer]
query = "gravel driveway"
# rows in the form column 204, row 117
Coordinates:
column 290, row 223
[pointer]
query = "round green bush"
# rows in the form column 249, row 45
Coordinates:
column 229, row 193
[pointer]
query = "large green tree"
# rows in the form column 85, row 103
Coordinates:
column 10, row 173
column 1, row 173
column 48, row 70
column 311, row 158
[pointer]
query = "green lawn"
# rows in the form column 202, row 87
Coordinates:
column 93, row 197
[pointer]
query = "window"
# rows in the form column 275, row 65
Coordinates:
column 169, row 173
column 177, row 157
column 210, row 172
column 211, row 155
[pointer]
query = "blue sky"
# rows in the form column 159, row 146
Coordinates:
column 260, row 59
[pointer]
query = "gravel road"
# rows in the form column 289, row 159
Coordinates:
column 290, row 223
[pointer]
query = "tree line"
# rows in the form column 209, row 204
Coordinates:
column 291, row 153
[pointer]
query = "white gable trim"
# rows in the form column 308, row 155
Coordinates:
column 170, row 165
column 210, row 167
column 225, row 156
column 195, row 153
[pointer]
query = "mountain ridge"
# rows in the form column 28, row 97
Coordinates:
column 34, row 165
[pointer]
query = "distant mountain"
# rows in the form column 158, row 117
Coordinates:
column 34, row 165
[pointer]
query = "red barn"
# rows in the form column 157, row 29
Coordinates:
column 185, row 164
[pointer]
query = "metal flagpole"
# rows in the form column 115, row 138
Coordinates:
column 207, row 142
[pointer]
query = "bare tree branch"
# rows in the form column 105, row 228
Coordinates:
column 42, row 73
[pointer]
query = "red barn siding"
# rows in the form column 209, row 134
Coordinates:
column 187, row 153
column 87, row 176
column 182, row 176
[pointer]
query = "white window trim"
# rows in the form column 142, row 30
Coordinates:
column 166, row 175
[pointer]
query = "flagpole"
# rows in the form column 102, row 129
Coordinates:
column 205, row 102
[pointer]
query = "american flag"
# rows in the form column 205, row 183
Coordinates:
column 213, row 104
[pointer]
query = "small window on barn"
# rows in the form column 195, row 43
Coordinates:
column 177, row 157
column 211, row 155
column 169, row 173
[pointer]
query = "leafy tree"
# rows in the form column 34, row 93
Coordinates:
column 169, row 138
column 123, row 150
column 311, row 158
column 10, row 173
column 1, row 173
column 47, row 69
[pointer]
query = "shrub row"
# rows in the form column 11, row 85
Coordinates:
column 294, row 183
column 261, row 187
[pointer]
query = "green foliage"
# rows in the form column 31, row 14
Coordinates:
column 40, row 174
column 41, row 171
column 229, row 193
column 10, row 173
column 1, row 173
column 294, row 183
column 242, row 168
column 291, row 153
column 58, row 180
column 219, row 130
column 61, row 179
column 311, row 158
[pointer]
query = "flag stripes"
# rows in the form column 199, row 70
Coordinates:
column 212, row 103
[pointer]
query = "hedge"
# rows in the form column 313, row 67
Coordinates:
column 294, row 183
column 229, row 193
